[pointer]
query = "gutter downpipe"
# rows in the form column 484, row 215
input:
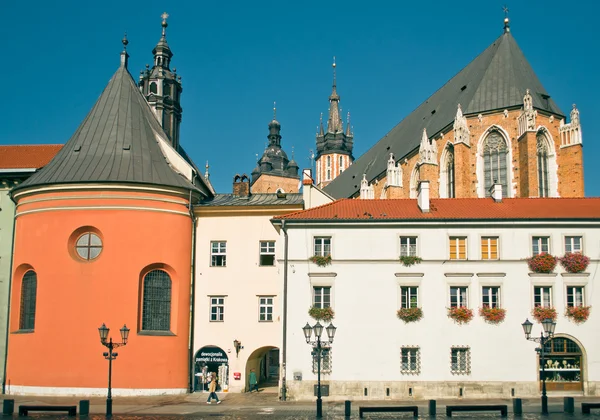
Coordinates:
column 10, row 281
column 192, row 297
column 285, row 280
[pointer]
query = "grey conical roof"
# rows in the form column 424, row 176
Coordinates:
column 495, row 80
column 116, row 143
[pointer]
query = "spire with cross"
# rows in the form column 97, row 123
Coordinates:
column 506, row 20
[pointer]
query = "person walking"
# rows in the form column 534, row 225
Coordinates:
column 252, row 380
column 212, row 388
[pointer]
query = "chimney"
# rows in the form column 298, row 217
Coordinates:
column 496, row 192
column 423, row 196
column 241, row 186
column 307, row 177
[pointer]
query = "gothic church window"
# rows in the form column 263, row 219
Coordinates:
column 328, row 168
column 495, row 162
column 28, row 300
column 542, row 162
column 156, row 311
column 341, row 164
column 449, row 169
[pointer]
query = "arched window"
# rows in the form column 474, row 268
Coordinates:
column 495, row 163
column 542, row 162
column 156, row 309
column 328, row 177
column 153, row 87
column 28, row 295
column 415, row 177
column 449, row 169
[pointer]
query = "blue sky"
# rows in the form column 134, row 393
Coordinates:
column 237, row 57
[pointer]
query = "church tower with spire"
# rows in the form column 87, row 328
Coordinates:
column 334, row 145
column 161, row 87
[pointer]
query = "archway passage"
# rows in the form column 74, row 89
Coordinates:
column 564, row 365
column 265, row 362
column 209, row 361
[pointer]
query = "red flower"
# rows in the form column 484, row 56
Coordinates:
column 460, row 315
column 540, row 313
column 410, row 314
column 492, row 315
column 578, row 314
column 542, row 263
column 574, row 262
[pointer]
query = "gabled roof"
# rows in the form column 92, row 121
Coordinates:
column 453, row 209
column 230, row 200
column 116, row 143
column 497, row 79
column 32, row 156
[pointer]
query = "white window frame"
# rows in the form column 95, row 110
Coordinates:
column 489, row 294
column 321, row 241
column 488, row 237
column 220, row 251
column 407, row 293
column 319, row 291
column 217, row 309
column 457, row 238
column 544, row 292
column 460, row 297
column 575, row 299
column 572, row 239
column 408, row 248
column 540, row 244
column 265, row 308
column 462, row 365
column 410, row 360
column 266, row 248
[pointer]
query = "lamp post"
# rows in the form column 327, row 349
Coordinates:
column 110, row 356
column 318, row 330
column 545, row 336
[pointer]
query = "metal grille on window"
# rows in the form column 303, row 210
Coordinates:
column 28, row 299
column 410, row 360
column 157, row 301
column 542, row 160
column 460, row 360
column 88, row 246
column 408, row 246
column 325, row 360
column 495, row 163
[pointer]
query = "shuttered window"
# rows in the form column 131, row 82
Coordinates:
column 489, row 248
column 458, row 248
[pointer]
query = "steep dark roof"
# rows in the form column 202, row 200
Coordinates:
column 116, row 143
column 495, row 80
column 230, row 200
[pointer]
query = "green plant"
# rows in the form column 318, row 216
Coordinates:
column 540, row 313
column 460, row 315
column 321, row 314
column 321, row 260
column 492, row 315
column 410, row 314
column 574, row 262
column 408, row 260
column 578, row 314
column 542, row 263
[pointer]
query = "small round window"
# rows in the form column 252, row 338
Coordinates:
column 88, row 246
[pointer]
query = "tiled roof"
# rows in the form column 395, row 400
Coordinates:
column 32, row 156
column 454, row 209
column 495, row 80
column 221, row 200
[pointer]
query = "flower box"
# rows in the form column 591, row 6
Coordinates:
column 578, row 314
column 321, row 314
column 408, row 260
column 410, row 314
column 542, row 263
column 460, row 315
column 540, row 313
column 321, row 260
column 574, row 262
column 492, row 315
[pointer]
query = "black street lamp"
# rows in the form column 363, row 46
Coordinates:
column 545, row 336
column 318, row 329
column 110, row 356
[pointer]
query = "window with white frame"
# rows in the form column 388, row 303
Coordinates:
column 217, row 308
column 410, row 360
column 540, row 244
column 325, row 360
column 265, row 308
column 218, row 254
column 460, row 360
column 572, row 244
column 408, row 246
column 575, row 296
column 459, row 297
column 267, row 253
column 322, row 246
column 458, row 248
column 542, row 296
column 321, row 297
column 489, row 248
column 410, row 296
column 490, row 296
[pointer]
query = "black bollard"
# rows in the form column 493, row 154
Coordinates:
column 432, row 408
column 8, row 407
column 84, row 407
column 569, row 405
column 347, row 408
column 517, row 407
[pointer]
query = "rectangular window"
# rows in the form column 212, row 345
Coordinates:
column 408, row 246
column 410, row 360
column 458, row 248
column 458, row 297
column 572, row 244
column 325, row 360
column 542, row 296
column 218, row 251
column 460, row 360
column 322, row 246
column 410, row 296
column 267, row 253
column 540, row 244
column 322, row 297
column 265, row 309
column 217, row 308
column 490, row 297
column 575, row 296
column 489, row 248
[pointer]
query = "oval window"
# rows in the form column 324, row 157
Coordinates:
column 88, row 246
